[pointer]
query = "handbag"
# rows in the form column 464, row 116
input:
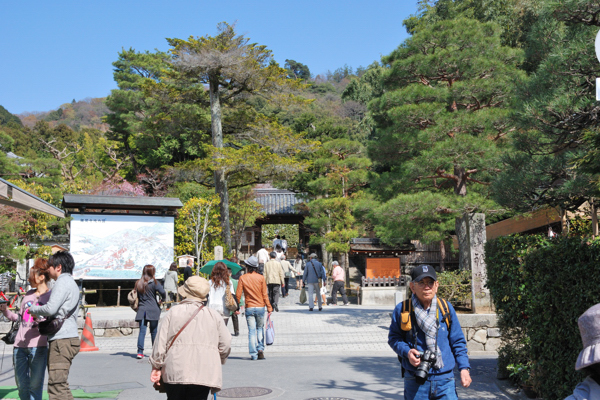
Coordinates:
column 270, row 334
column 230, row 301
column 53, row 324
column 11, row 335
column 303, row 296
column 133, row 300
column 160, row 385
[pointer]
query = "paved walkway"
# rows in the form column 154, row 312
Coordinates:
column 340, row 352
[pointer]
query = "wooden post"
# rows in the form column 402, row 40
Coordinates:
column 118, row 296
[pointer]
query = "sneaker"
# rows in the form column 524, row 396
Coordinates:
column 346, row 304
column 310, row 309
column 140, row 356
column 276, row 308
column 261, row 355
column 320, row 308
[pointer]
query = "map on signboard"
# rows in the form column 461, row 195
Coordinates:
column 118, row 246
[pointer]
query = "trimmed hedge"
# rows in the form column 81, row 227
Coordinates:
column 540, row 288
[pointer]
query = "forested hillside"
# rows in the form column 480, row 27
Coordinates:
column 487, row 107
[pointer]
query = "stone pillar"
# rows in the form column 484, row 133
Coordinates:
column 218, row 252
column 470, row 229
column 23, row 270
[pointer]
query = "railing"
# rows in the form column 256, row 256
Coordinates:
column 386, row 281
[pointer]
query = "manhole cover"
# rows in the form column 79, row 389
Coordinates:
column 329, row 398
column 243, row 392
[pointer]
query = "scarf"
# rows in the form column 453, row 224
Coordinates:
column 428, row 323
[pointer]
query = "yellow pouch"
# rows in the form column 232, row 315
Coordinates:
column 405, row 323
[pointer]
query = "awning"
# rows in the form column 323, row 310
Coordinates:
column 14, row 196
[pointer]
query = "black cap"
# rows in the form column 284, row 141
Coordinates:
column 423, row 271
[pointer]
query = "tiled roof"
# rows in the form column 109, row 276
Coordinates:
column 278, row 201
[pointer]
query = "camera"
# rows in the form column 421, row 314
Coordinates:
column 428, row 358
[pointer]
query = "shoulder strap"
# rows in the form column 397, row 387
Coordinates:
column 446, row 316
column 183, row 327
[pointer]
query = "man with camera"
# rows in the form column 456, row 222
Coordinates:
column 426, row 335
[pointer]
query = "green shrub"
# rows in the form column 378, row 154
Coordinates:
column 455, row 286
column 540, row 287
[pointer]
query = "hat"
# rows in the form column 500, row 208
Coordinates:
column 194, row 288
column 273, row 254
column 589, row 327
column 423, row 271
column 252, row 262
column 313, row 255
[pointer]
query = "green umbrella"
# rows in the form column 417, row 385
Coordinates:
column 208, row 267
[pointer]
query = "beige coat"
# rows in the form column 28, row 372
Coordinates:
column 274, row 272
column 195, row 358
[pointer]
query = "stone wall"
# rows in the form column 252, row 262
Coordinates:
column 481, row 332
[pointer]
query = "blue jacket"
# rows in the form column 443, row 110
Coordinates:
column 452, row 344
column 312, row 275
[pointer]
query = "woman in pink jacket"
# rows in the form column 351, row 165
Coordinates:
column 30, row 352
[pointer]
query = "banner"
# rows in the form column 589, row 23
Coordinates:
column 111, row 246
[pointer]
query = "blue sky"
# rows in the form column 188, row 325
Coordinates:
column 54, row 52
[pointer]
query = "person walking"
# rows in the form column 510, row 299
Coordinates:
column 263, row 258
column 171, row 281
column 236, row 313
column 284, row 244
column 30, row 351
column 63, row 345
column 287, row 273
column 191, row 346
column 253, row 287
column 275, row 279
column 339, row 283
column 279, row 252
column 299, row 271
column 187, row 271
column 313, row 271
column 219, row 284
column 276, row 242
column 148, row 313
column 433, row 337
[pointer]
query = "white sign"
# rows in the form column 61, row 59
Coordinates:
column 598, row 45
column 119, row 246
column 597, row 89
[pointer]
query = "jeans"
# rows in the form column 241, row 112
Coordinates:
column 142, row 335
column 255, row 317
column 273, row 293
column 444, row 389
column 312, row 288
column 60, row 357
column 30, row 368
column 341, row 287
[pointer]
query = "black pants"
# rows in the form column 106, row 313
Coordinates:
column 286, row 287
column 186, row 392
column 341, row 286
column 236, row 323
column 273, row 293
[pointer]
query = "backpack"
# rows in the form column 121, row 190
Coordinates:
column 408, row 315
column 133, row 300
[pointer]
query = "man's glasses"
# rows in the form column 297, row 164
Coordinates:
column 422, row 284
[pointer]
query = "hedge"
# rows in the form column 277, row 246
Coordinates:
column 540, row 288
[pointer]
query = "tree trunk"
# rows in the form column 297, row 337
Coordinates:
column 347, row 268
column 217, row 140
column 594, row 218
column 442, row 256
column 460, row 185
column 564, row 226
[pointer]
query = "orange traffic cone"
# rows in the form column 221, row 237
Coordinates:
column 88, row 343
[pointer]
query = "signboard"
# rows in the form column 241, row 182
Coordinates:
column 248, row 238
column 118, row 246
column 383, row 267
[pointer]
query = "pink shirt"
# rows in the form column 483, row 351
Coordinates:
column 338, row 274
column 28, row 334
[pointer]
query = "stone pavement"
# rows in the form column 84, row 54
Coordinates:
column 341, row 351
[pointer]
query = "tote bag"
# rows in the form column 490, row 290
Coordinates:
column 270, row 335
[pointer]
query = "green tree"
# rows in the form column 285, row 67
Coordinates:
column 234, row 69
column 297, row 70
column 244, row 212
column 443, row 120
